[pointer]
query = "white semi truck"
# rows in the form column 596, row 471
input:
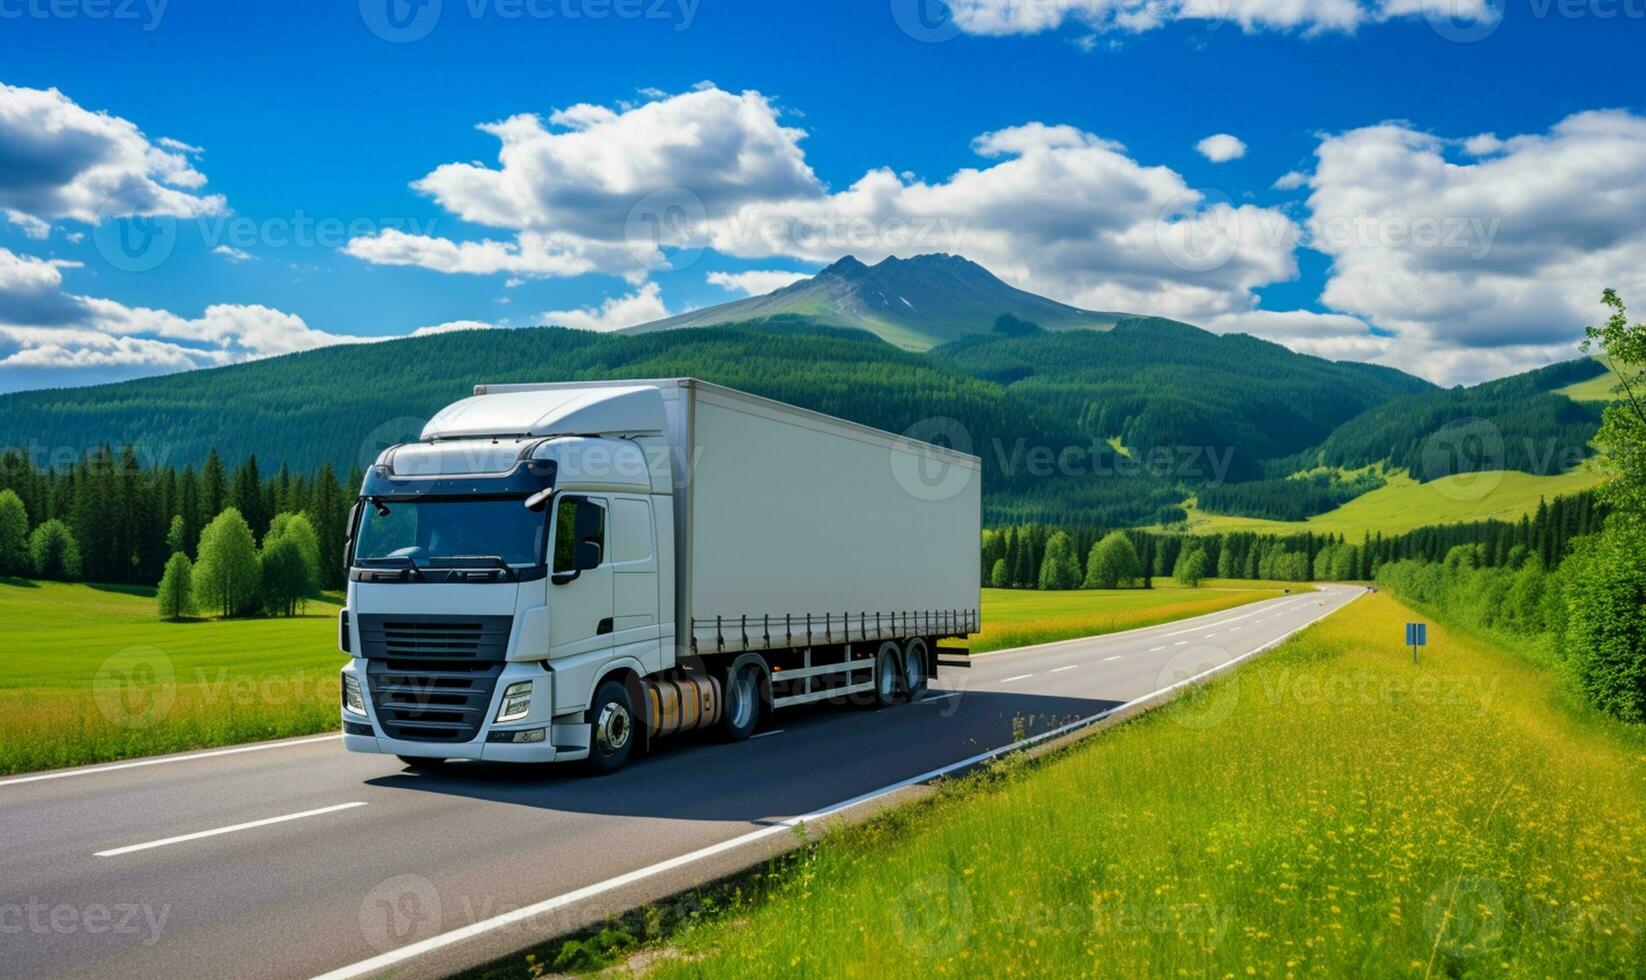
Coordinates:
column 563, row 572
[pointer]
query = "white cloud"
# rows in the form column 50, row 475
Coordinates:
column 30, row 225
column 1009, row 17
column 45, row 326
column 1488, row 265
column 755, row 282
column 1291, row 180
column 642, row 306
column 1056, row 209
column 594, row 189
column 60, row 161
column 1221, row 148
column 236, row 255
column 452, row 327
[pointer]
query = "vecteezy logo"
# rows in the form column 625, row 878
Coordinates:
column 1198, row 230
column 1464, row 458
column 130, row 239
column 1465, row 21
column 924, row 468
column 394, row 432
column 671, row 218
column 404, row 909
column 927, row 21
column 1465, row 916
column 1201, row 706
column 400, row 21
column 935, row 918
column 135, row 688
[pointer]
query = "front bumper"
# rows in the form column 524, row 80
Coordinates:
column 563, row 742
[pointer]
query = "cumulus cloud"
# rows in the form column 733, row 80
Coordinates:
column 235, row 255
column 755, row 282
column 1052, row 208
column 1008, row 17
column 1482, row 264
column 60, row 161
column 1221, row 148
column 455, row 326
column 642, row 306
column 43, row 325
column 595, row 189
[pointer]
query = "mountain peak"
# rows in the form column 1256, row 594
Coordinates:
column 915, row 303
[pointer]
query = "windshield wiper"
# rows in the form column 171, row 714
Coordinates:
column 410, row 562
column 496, row 561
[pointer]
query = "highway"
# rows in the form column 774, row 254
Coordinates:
column 296, row 859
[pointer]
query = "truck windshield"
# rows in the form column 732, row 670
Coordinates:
column 451, row 533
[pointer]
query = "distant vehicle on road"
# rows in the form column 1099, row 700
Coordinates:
column 561, row 572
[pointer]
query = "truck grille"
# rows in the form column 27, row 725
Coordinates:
column 431, row 678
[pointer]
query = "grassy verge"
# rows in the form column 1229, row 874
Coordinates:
column 1329, row 809
column 1015, row 618
column 88, row 674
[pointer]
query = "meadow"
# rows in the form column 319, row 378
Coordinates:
column 1329, row 809
column 91, row 674
column 1406, row 505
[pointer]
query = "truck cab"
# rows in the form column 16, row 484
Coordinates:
column 500, row 569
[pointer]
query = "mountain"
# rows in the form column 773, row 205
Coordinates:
column 913, row 303
column 1158, row 386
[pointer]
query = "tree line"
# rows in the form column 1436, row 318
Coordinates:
column 1577, row 593
column 1048, row 556
column 240, row 541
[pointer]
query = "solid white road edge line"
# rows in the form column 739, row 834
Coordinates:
column 249, row 825
column 163, row 760
column 404, row 953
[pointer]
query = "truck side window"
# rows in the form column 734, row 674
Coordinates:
column 577, row 519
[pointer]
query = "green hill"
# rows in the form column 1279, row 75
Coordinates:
column 1158, row 384
column 912, row 303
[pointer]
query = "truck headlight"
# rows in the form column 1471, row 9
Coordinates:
column 517, row 702
column 352, row 699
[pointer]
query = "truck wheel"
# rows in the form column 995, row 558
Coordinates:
column 741, row 714
column 914, row 669
column 611, row 729
column 887, row 679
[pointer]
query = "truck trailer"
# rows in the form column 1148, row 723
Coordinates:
column 566, row 572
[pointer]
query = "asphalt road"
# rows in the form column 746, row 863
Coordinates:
column 296, row 859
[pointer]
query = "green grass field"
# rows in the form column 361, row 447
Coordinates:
column 90, row 674
column 1597, row 389
column 1015, row 618
column 1327, row 810
column 1406, row 505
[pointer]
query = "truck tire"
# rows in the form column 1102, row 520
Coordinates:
column 915, row 658
column 888, row 679
column 612, row 730
column 741, row 703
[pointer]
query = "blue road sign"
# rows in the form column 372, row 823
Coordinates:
column 1417, row 634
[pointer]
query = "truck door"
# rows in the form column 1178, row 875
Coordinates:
column 634, row 569
column 580, row 590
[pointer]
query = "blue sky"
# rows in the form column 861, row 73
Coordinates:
column 297, row 120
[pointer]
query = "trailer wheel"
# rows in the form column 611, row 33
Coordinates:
column 887, row 675
column 914, row 669
column 612, row 731
column 741, row 714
